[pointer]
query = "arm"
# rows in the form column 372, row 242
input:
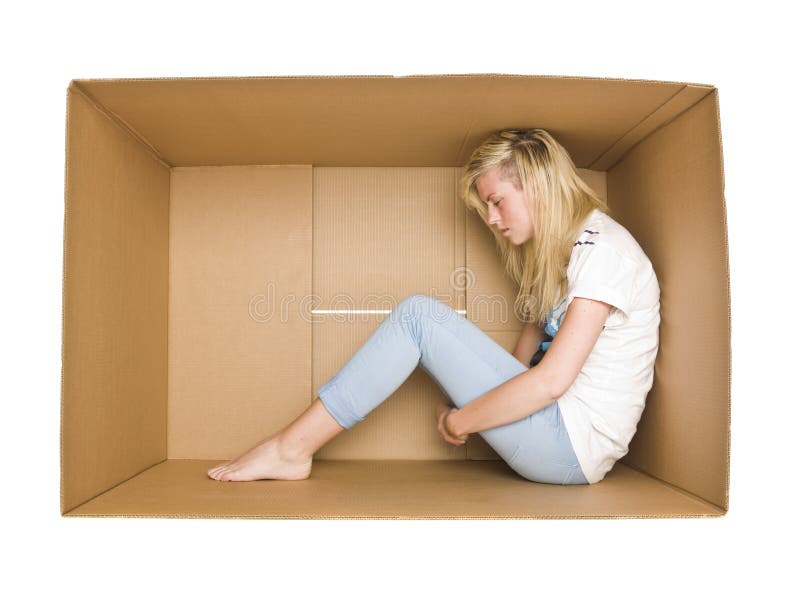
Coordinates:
column 528, row 342
column 543, row 384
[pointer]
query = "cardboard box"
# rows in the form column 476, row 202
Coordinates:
column 210, row 222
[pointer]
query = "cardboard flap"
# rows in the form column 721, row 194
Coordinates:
column 383, row 120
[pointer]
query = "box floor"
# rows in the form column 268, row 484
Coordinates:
column 391, row 489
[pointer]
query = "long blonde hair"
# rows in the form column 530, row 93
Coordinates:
column 558, row 201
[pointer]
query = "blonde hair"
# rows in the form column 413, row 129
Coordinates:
column 558, row 201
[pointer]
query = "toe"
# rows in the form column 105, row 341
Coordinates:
column 214, row 472
column 217, row 472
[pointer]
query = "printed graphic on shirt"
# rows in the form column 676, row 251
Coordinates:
column 587, row 237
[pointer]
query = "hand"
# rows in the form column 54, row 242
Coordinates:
column 442, row 411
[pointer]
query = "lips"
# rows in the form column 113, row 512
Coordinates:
column 505, row 231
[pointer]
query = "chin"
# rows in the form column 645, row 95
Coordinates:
column 518, row 242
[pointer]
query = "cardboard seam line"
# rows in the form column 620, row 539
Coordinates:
column 111, row 488
column 459, row 247
column 626, row 137
column 680, row 490
column 472, row 120
column 169, row 318
column 119, row 122
column 313, row 388
column 649, row 124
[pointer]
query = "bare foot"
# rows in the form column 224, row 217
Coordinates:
column 264, row 461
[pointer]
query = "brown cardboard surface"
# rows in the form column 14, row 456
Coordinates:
column 388, row 489
column 342, row 121
column 683, row 99
column 186, row 199
column 114, row 371
column 324, row 121
column 416, row 215
column 239, row 344
column 668, row 192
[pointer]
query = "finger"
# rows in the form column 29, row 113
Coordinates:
column 448, row 438
column 451, row 439
column 456, row 441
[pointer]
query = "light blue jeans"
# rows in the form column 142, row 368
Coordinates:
column 465, row 363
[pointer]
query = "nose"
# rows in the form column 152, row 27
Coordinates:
column 492, row 215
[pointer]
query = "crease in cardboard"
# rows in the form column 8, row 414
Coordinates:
column 471, row 124
column 689, row 495
column 111, row 488
column 119, row 122
column 661, row 116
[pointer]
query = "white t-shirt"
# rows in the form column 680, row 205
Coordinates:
column 602, row 408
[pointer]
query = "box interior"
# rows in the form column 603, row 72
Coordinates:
column 214, row 227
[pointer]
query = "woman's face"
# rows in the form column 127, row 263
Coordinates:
column 508, row 209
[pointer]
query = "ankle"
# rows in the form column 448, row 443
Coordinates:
column 291, row 451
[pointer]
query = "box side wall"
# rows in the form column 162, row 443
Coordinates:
column 114, row 349
column 668, row 192
column 240, row 323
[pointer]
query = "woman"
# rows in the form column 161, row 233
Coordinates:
column 563, row 408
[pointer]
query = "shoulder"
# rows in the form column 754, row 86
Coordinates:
column 607, row 264
column 603, row 237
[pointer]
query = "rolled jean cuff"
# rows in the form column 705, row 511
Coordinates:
column 333, row 399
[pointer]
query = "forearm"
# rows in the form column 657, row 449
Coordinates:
column 516, row 398
column 528, row 343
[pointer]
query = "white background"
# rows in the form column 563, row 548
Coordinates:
column 744, row 51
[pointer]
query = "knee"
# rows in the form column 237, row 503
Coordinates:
column 413, row 301
column 420, row 307
column 410, row 308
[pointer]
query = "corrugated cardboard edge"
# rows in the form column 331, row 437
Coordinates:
column 727, row 298
column 64, row 246
column 383, row 76
column 332, row 517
